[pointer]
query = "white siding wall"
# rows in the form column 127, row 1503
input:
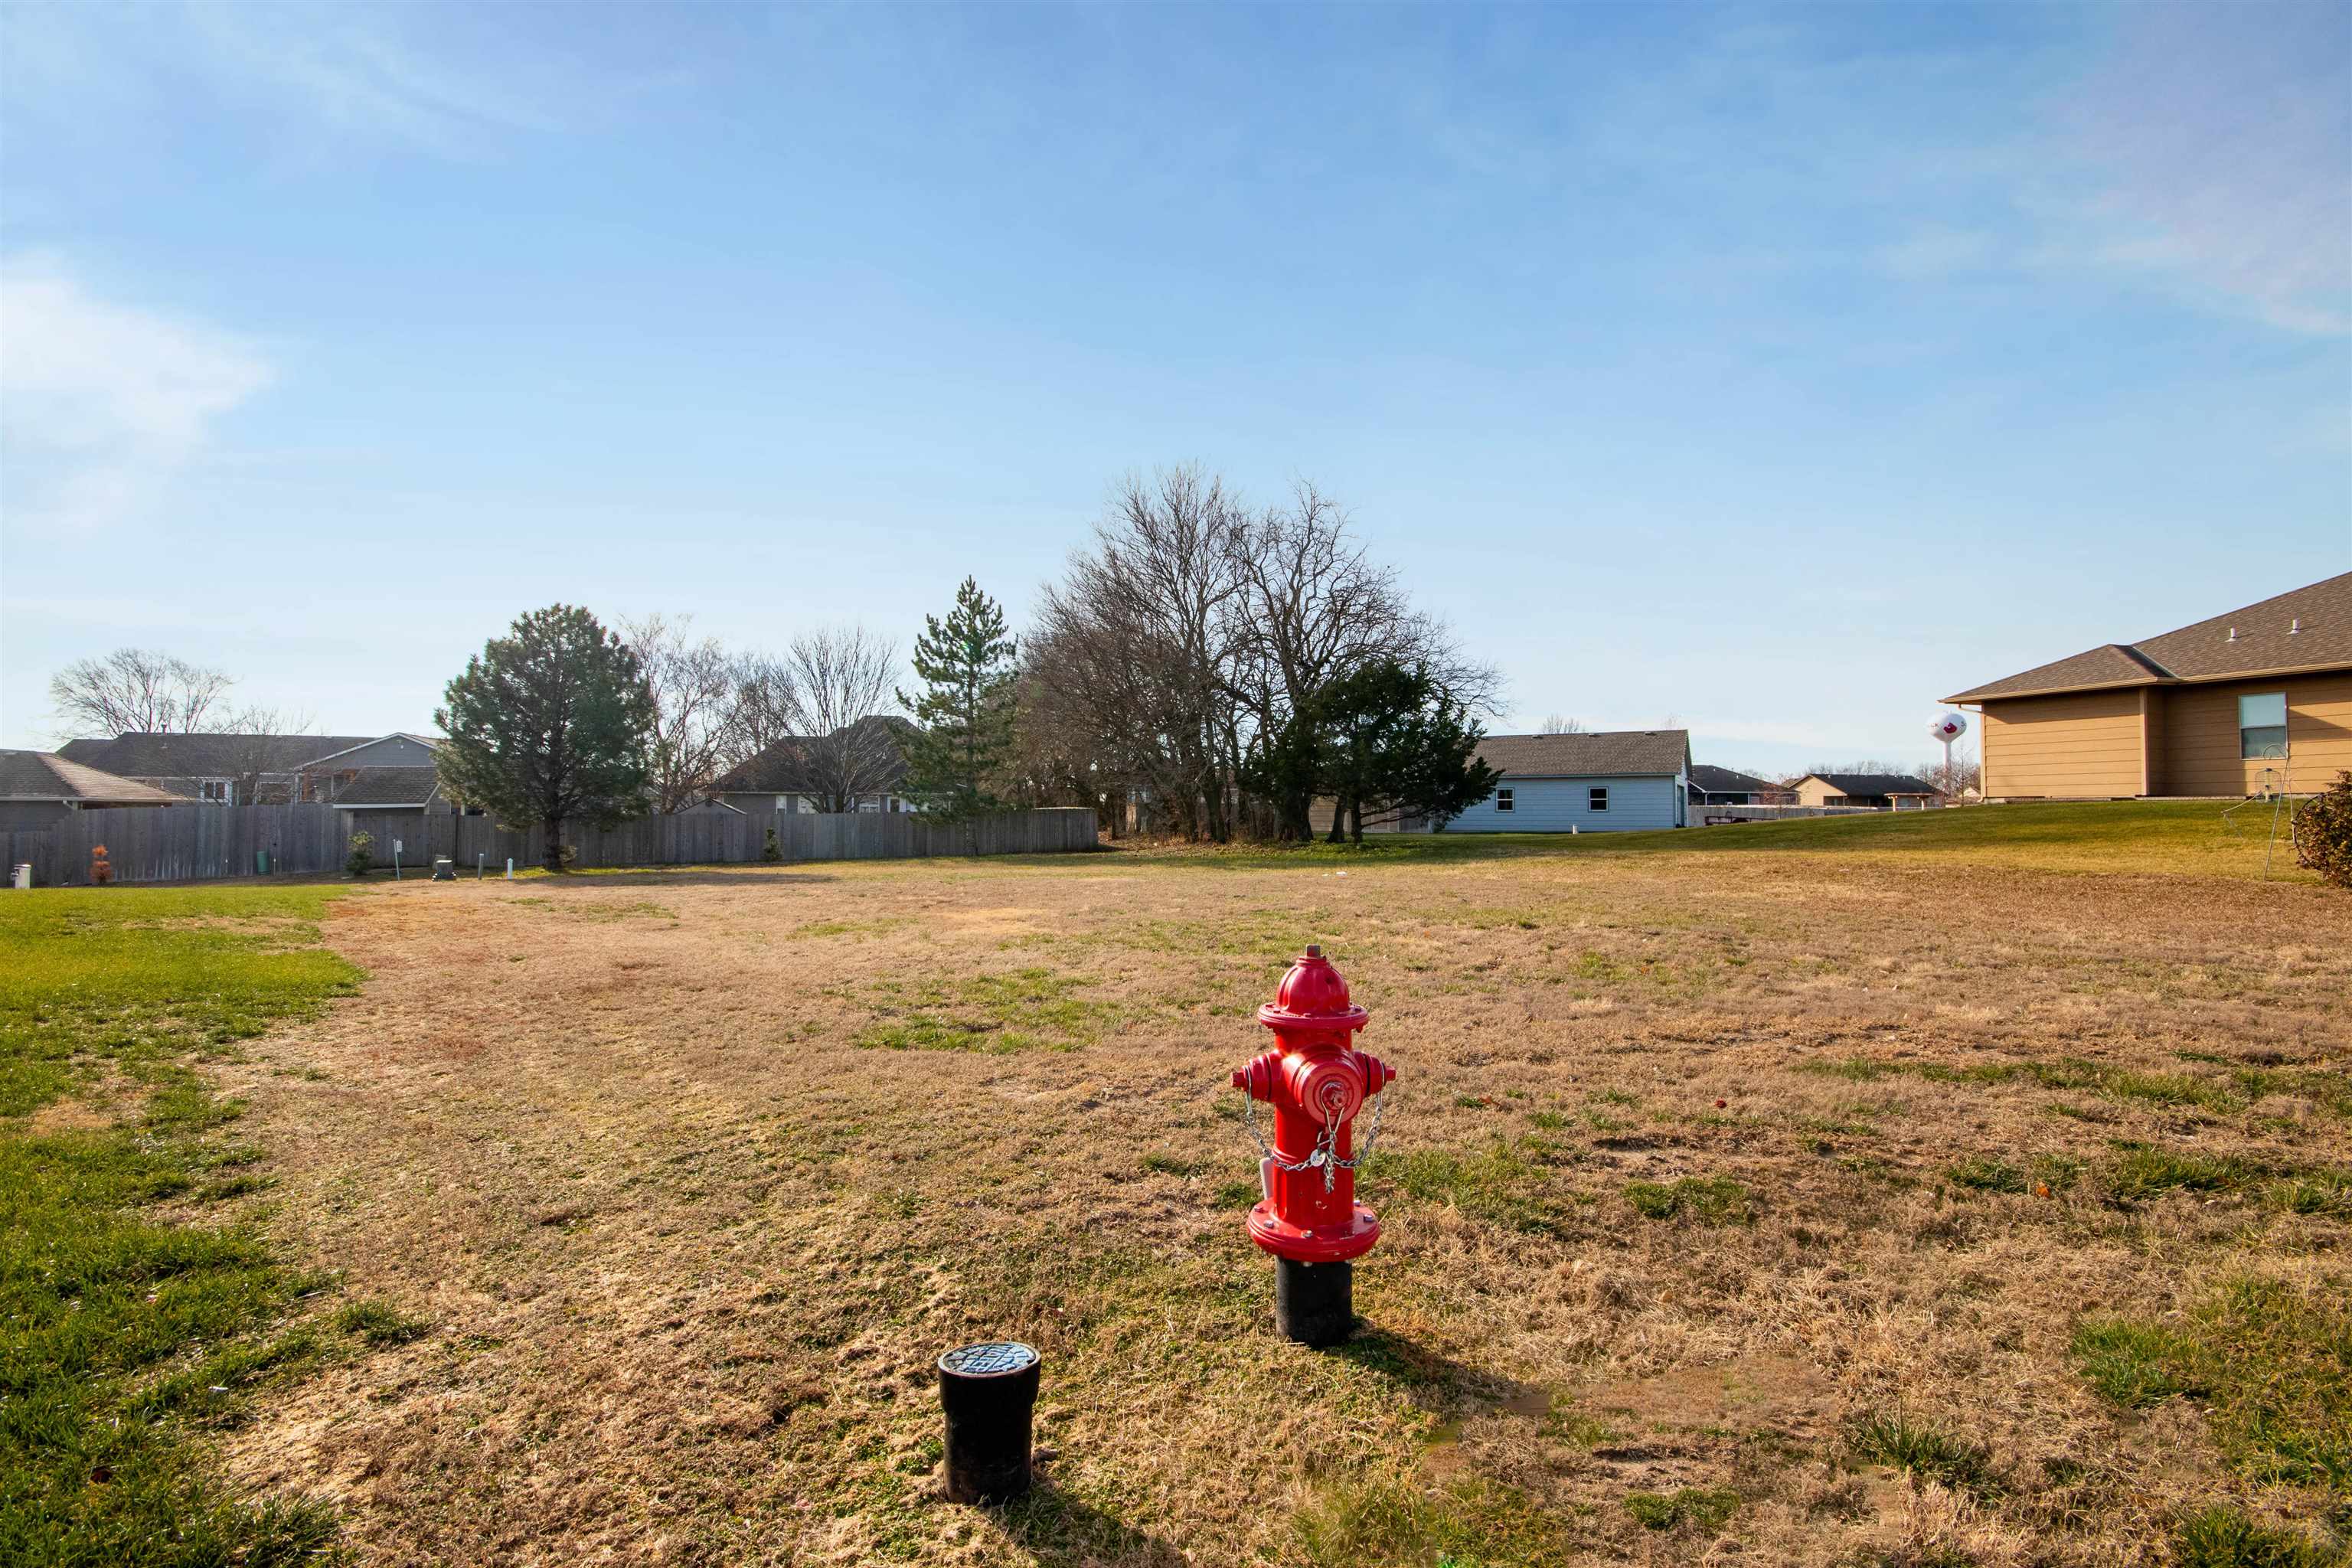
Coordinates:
column 1554, row 806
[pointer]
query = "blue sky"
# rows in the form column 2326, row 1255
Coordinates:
column 1767, row 371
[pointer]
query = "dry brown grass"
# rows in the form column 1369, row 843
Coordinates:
column 688, row 1233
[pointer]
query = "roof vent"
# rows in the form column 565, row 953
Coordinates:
column 2295, row 629
column 2233, row 633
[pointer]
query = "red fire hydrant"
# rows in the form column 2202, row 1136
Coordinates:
column 1317, row 1081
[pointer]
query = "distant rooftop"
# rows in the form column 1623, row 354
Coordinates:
column 1602, row 754
column 46, row 776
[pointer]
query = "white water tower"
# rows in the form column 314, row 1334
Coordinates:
column 1948, row 729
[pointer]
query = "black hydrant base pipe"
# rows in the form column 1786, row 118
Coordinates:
column 1314, row 1303
column 988, row 1392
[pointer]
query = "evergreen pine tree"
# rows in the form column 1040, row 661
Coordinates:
column 548, row 725
column 965, row 709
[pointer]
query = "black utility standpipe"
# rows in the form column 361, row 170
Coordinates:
column 989, row 1392
column 1314, row 1303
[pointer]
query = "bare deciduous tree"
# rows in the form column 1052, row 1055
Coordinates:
column 1143, row 628
column 256, row 752
column 765, row 697
column 1561, row 724
column 1869, row 765
column 837, row 691
column 1176, row 652
column 692, row 683
column 138, row 691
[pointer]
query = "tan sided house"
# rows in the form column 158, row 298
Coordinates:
column 2258, row 699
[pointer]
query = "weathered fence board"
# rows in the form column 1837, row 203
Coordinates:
column 202, row 843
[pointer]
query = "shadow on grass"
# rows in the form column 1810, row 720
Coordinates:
column 1433, row 1381
column 1061, row 1530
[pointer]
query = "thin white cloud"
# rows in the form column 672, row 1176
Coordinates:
column 2220, row 137
column 102, row 403
column 352, row 71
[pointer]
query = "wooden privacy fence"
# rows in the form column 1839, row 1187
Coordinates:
column 196, row 843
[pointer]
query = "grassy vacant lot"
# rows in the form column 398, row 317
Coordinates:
column 1964, row 1189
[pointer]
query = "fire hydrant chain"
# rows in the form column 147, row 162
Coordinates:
column 1325, row 1152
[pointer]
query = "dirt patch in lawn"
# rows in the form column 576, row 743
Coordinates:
column 1698, row 1188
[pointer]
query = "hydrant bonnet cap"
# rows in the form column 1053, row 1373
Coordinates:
column 1313, row 989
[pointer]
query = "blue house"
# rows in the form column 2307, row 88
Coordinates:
column 1617, row 782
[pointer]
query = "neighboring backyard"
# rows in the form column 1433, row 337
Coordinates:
column 1969, row 1189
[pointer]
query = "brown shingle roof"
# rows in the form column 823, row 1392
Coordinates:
column 1614, row 753
column 44, row 776
column 2309, row 627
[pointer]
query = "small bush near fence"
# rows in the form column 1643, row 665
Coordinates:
column 2323, row 833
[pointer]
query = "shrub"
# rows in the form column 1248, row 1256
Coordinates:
column 771, row 851
column 2323, row 832
column 359, row 861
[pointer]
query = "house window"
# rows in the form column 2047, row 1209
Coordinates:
column 215, row 790
column 1599, row 798
column 2261, row 725
column 1502, row 800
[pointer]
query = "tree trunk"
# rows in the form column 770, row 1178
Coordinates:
column 1338, row 833
column 551, row 857
column 1356, row 821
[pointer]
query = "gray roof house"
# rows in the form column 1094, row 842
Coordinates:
column 1730, row 786
column 38, row 788
column 1608, row 781
column 380, row 771
column 225, row 770
column 787, row 776
column 395, row 771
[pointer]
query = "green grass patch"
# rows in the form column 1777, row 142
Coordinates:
column 136, row 976
column 1238, row 1195
column 2222, row 1537
column 1986, row 1175
column 1502, row 1184
column 1716, row 1200
column 1924, row 1451
column 2142, row 1169
column 2178, row 837
column 123, row 1335
column 1023, row 1009
column 380, row 1324
column 2134, row 1364
column 2173, row 1091
column 1710, row 1511
column 1473, row 1523
column 2272, row 1366
column 2312, row 1192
